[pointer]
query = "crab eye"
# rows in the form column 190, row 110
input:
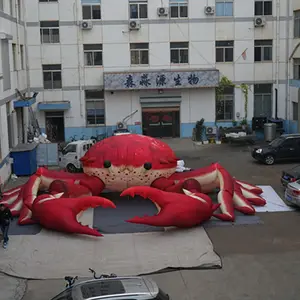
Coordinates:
column 107, row 164
column 147, row 166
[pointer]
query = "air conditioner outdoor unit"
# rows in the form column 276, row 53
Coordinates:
column 134, row 25
column 259, row 22
column 211, row 130
column 86, row 25
column 209, row 10
column 162, row 11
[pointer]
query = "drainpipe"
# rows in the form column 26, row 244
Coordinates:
column 287, row 68
column 76, row 21
column 277, row 49
column 26, row 59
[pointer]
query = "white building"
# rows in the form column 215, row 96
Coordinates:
column 92, row 66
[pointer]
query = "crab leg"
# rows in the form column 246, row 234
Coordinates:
column 42, row 180
column 60, row 214
column 180, row 210
column 233, row 193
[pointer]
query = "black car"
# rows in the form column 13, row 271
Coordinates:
column 290, row 175
column 285, row 147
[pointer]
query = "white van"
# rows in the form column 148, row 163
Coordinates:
column 71, row 154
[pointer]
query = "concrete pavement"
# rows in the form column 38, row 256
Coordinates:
column 259, row 261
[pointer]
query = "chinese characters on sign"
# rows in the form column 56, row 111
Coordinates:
column 160, row 80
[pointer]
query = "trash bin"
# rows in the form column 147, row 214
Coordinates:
column 270, row 131
column 24, row 156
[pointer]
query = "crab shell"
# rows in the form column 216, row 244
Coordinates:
column 129, row 160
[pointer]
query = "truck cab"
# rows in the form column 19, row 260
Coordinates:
column 71, row 154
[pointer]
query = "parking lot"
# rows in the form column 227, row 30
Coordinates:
column 259, row 261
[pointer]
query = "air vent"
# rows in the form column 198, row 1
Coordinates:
column 209, row 10
column 211, row 130
column 162, row 11
column 134, row 25
column 86, row 25
column 259, row 22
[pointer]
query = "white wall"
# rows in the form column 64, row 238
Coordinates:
column 113, row 33
column 10, row 27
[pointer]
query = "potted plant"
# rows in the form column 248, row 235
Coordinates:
column 234, row 123
column 200, row 130
column 244, row 123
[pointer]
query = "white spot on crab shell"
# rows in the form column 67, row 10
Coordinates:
column 120, row 178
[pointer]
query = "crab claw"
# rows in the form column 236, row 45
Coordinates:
column 179, row 210
column 60, row 213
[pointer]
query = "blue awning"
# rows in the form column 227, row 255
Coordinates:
column 24, row 103
column 54, row 106
column 295, row 83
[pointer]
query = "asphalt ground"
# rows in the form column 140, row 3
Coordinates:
column 260, row 262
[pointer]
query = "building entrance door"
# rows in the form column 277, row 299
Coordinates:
column 55, row 126
column 161, row 122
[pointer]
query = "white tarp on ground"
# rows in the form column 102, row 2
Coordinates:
column 274, row 202
column 55, row 255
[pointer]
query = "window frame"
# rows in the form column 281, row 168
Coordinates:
column 296, row 24
column 92, row 52
column 228, row 96
column 263, row 95
column 139, row 4
column 140, row 48
column 262, row 51
column 51, row 35
column 263, row 8
column 179, row 49
column 52, row 71
column 296, row 68
column 91, row 11
column 179, row 4
column 218, row 46
column 22, row 58
column 224, row 8
column 14, row 56
column 94, row 100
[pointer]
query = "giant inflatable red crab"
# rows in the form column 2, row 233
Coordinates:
column 134, row 165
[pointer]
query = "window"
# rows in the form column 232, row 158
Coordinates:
column 95, row 108
column 11, row 7
column 49, row 31
column 225, row 105
column 179, row 52
column 179, row 8
column 263, row 50
column 224, row 51
column 139, row 53
column 2, row 5
column 297, row 24
column 22, row 57
column 71, row 148
column 296, row 65
column 138, row 9
column 19, row 9
column 288, row 143
column 93, row 55
column 5, row 53
column 91, row 12
column 263, row 8
column 224, row 8
column 14, row 53
column 295, row 111
column 52, row 77
column 263, row 100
